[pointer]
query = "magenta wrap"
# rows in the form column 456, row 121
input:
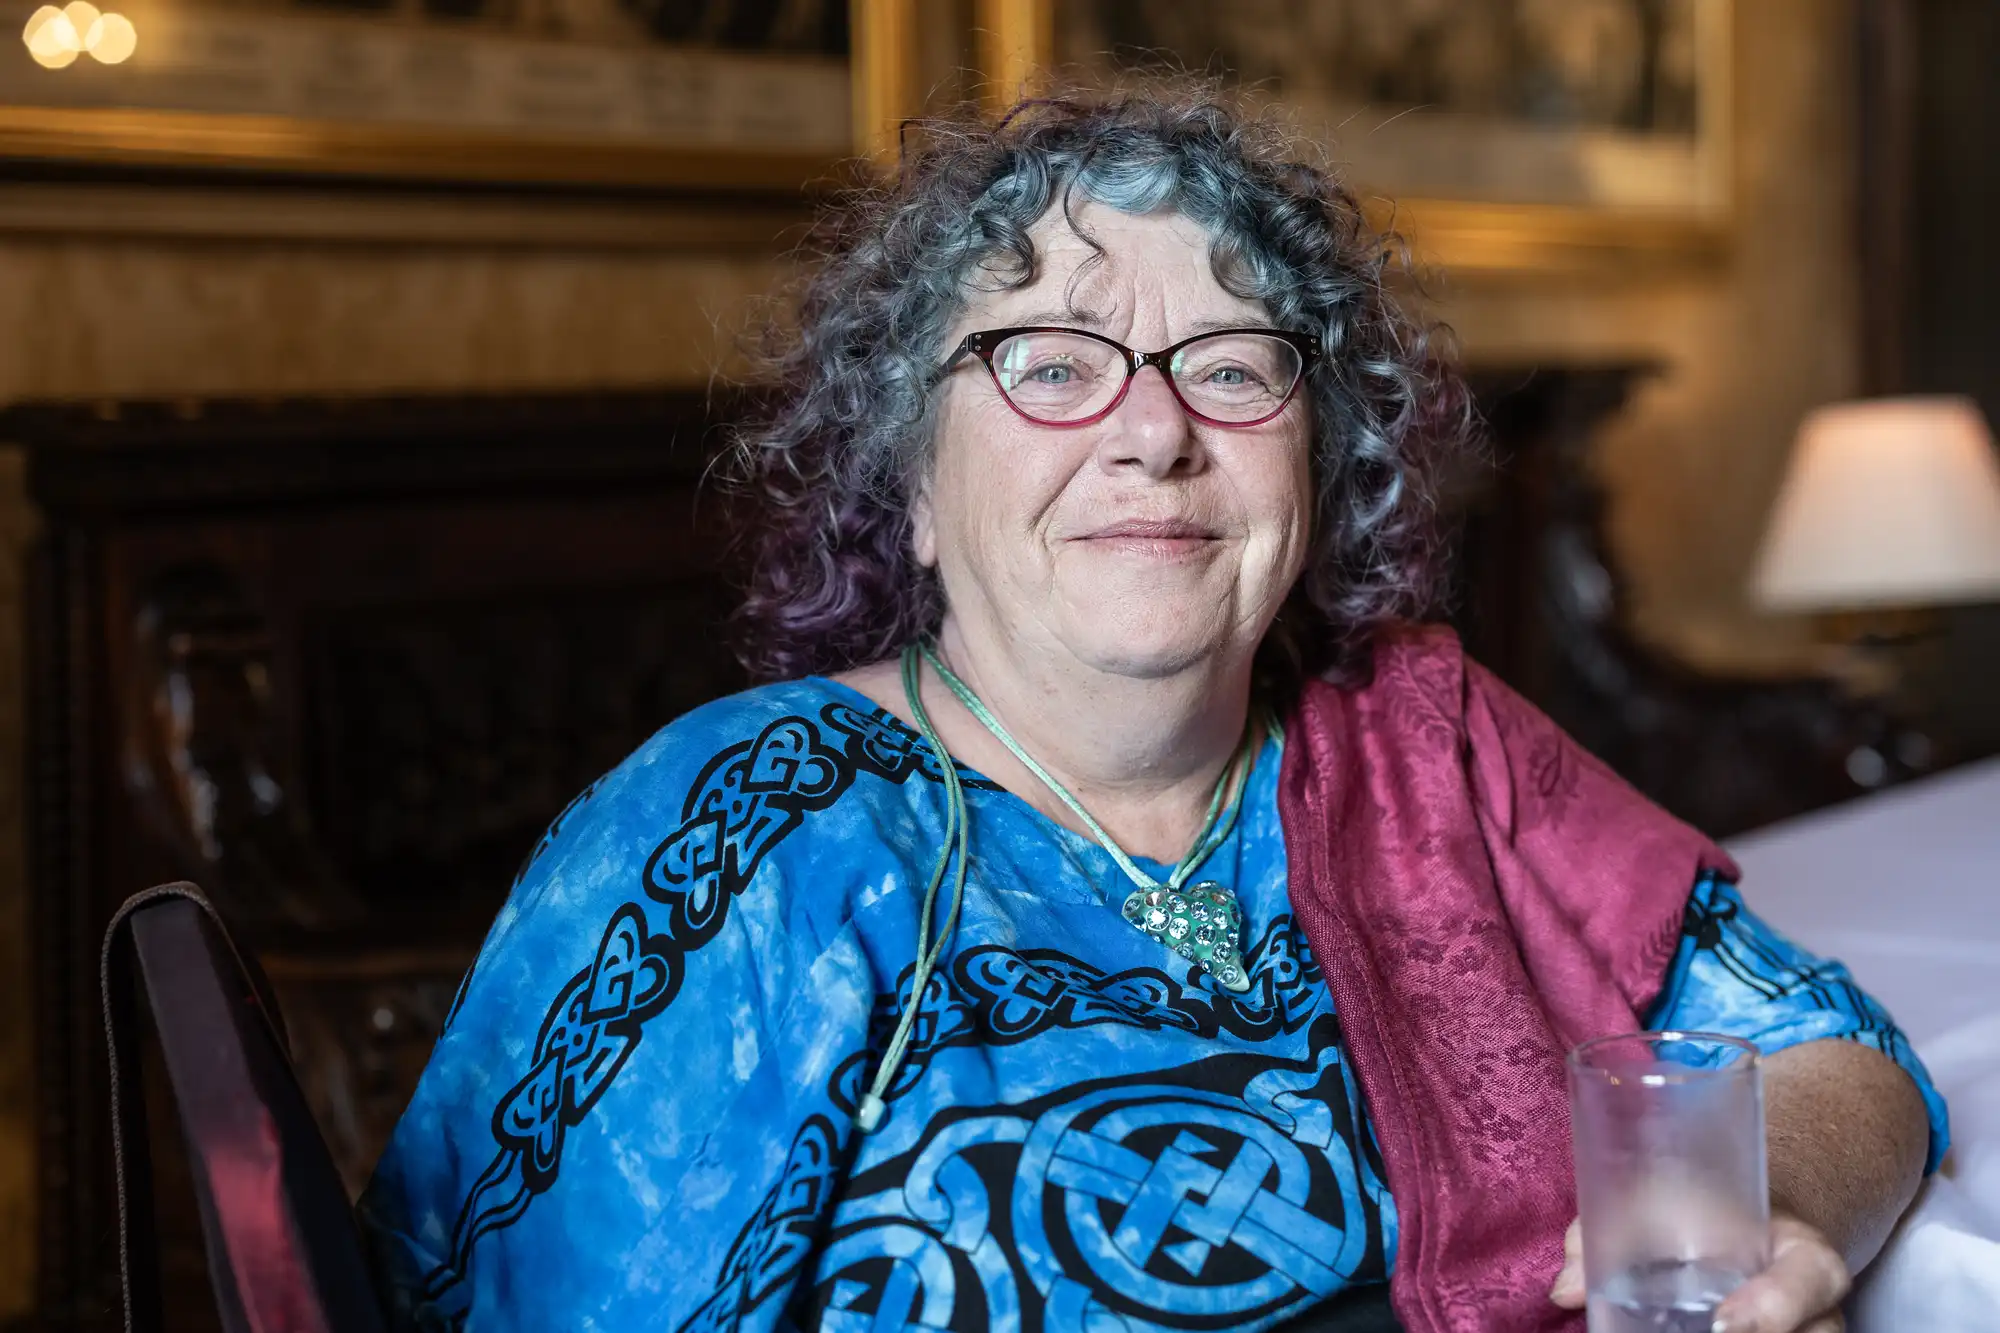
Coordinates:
column 1481, row 895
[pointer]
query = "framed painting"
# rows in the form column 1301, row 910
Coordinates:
column 1509, row 134
column 708, row 94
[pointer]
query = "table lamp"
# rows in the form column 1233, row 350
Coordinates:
column 1888, row 505
column 1890, row 509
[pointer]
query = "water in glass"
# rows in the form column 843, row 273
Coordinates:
column 1666, row 1297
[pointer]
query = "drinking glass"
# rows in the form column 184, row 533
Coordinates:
column 1670, row 1176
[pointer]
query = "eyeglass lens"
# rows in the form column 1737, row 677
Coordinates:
column 1063, row 377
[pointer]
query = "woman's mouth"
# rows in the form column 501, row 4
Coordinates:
column 1153, row 537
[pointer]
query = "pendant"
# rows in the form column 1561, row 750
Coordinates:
column 1201, row 923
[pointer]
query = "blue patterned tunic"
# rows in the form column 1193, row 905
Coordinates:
column 639, row 1114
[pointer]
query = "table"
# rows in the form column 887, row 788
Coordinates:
column 1905, row 888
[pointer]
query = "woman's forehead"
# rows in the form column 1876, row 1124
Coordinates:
column 1098, row 261
column 1167, row 229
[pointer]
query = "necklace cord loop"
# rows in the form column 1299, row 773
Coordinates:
column 869, row 1112
column 1223, row 808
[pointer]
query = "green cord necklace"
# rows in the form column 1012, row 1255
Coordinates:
column 868, row 1113
column 1201, row 923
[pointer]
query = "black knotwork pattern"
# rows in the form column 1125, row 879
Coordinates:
column 1216, row 1193
column 745, row 800
column 999, row 996
column 778, row 1240
column 1743, row 947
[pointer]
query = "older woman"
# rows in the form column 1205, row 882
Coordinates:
column 1116, row 918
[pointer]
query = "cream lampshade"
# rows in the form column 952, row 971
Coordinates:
column 1892, row 502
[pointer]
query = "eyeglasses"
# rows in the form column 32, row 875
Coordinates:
column 1066, row 377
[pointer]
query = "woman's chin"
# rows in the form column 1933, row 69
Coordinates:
column 1150, row 644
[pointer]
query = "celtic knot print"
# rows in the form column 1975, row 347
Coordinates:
column 1166, row 1199
column 882, row 743
column 750, row 796
column 1002, row 996
column 1718, row 924
column 943, row 1020
column 745, row 800
column 1017, row 995
column 585, row 1041
column 776, row 1242
column 1213, row 1182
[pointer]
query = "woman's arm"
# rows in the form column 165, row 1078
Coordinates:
column 1848, row 1134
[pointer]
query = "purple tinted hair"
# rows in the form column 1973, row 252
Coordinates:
column 831, row 464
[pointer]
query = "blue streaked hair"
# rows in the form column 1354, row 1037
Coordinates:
column 832, row 463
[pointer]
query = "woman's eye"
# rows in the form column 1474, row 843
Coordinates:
column 1055, row 372
column 1229, row 377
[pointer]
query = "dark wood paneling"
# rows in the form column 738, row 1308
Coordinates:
column 1947, row 298
column 401, row 635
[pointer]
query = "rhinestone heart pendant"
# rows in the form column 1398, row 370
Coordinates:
column 1201, row 923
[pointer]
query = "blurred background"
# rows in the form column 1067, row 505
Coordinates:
column 360, row 361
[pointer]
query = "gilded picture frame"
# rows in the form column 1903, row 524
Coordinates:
column 606, row 191
column 384, row 92
column 1653, row 202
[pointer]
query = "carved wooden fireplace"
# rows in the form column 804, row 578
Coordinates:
column 340, row 664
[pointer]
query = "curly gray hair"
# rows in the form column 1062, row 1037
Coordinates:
column 833, row 461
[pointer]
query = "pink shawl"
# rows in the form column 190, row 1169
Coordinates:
column 1481, row 895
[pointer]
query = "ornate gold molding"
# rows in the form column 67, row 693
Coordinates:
column 334, row 216
column 350, row 148
column 1016, row 44
column 883, row 74
column 1486, row 240
column 1469, row 238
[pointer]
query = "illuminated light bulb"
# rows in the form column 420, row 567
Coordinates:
column 50, row 35
column 37, row 21
column 81, row 14
column 112, row 39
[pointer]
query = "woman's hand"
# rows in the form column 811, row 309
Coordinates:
column 1800, row 1292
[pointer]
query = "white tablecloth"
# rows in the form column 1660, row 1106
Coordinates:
column 1905, row 887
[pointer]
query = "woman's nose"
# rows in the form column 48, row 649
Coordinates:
column 1150, row 430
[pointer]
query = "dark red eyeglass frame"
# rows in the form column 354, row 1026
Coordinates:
column 986, row 342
